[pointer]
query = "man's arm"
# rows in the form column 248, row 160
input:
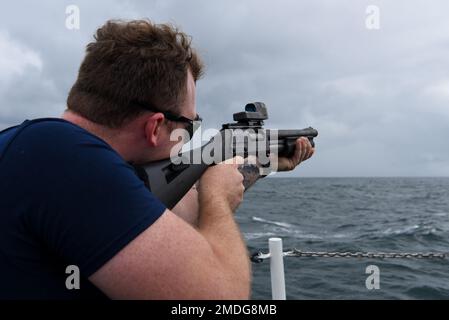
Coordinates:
column 173, row 260
column 188, row 208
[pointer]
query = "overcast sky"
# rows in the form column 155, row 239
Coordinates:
column 379, row 97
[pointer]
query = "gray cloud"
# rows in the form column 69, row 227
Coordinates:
column 380, row 98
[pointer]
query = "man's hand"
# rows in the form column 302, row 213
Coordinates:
column 226, row 183
column 223, row 184
column 303, row 151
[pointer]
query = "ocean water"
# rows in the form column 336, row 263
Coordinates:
column 350, row 214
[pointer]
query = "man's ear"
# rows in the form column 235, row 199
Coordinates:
column 154, row 129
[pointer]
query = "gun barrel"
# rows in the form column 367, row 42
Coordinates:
column 308, row 132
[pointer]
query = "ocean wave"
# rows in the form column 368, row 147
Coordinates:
column 298, row 234
column 415, row 230
column 427, row 292
column 276, row 223
column 441, row 214
column 287, row 229
column 257, row 235
column 401, row 230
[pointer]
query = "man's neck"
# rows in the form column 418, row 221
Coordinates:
column 119, row 140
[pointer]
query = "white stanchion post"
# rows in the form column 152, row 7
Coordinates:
column 277, row 269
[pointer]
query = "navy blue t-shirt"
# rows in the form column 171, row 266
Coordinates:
column 66, row 198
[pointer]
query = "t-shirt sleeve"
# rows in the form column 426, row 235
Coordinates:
column 89, row 203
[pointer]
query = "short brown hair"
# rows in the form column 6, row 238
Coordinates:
column 130, row 63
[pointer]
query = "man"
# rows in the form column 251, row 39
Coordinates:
column 70, row 198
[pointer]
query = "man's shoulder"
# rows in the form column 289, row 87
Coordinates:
column 54, row 129
column 50, row 139
column 51, row 132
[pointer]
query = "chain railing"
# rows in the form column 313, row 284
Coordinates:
column 276, row 256
column 260, row 256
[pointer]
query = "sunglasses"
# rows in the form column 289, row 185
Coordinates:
column 192, row 124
